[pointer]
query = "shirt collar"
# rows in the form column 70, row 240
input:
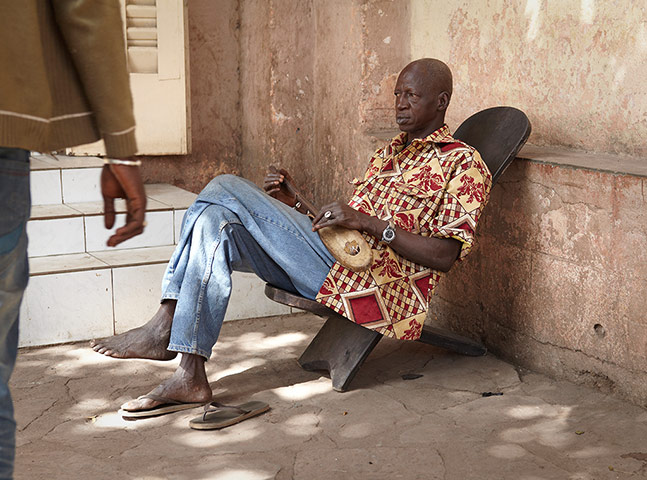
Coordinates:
column 442, row 135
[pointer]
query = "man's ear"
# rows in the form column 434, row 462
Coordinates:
column 443, row 101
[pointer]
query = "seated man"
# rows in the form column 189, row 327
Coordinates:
column 417, row 206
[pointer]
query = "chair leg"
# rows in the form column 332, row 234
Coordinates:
column 340, row 347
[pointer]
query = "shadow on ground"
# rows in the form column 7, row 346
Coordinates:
column 438, row 426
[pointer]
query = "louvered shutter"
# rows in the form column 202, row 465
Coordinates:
column 156, row 43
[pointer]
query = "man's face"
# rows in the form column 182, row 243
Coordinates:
column 416, row 104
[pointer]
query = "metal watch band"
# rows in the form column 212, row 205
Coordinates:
column 388, row 234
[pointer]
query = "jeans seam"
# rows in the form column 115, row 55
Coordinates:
column 193, row 350
column 205, row 279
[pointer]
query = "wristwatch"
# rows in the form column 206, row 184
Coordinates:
column 388, row 235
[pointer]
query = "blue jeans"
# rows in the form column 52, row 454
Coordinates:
column 234, row 225
column 15, row 203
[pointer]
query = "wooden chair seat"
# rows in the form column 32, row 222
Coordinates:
column 341, row 346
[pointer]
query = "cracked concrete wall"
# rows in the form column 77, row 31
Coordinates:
column 315, row 78
column 558, row 277
column 576, row 67
column 556, row 283
column 215, row 97
column 304, row 84
column 556, row 280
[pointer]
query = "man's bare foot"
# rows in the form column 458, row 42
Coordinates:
column 188, row 384
column 148, row 341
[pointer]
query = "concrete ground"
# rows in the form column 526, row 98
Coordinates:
column 437, row 426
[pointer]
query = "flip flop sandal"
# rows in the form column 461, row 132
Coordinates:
column 225, row 415
column 167, row 405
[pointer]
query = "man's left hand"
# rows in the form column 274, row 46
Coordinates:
column 340, row 214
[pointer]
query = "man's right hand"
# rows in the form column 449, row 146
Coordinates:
column 274, row 185
column 122, row 181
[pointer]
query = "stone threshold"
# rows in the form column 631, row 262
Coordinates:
column 602, row 162
column 44, row 161
column 78, row 262
column 565, row 157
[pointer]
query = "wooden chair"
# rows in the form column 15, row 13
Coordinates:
column 341, row 346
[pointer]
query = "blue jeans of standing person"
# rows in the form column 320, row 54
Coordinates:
column 234, row 225
column 15, row 203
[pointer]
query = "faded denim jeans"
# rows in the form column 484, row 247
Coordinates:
column 14, row 273
column 234, row 225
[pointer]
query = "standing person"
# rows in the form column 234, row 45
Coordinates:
column 64, row 82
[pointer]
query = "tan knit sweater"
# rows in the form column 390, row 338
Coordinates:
column 63, row 76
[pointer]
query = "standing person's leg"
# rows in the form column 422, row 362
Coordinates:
column 14, row 275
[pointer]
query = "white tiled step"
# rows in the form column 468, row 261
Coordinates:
column 64, row 179
column 57, row 229
column 82, row 296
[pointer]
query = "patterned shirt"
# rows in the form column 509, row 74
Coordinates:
column 436, row 186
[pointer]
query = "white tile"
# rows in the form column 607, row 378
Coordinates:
column 56, row 210
column 46, row 187
column 55, row 237
column 136, row 256
column 73, row 262
column 137, row 292
column 178, row 216
column 248, row 299
column 96, row 208
column 66, row 307
column 158, row 232
column 81, row 185
column 170, row 195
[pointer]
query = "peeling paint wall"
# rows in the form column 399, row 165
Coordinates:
column 315, row 76
column 277, row 61
column 557, row 280
column 578, row 68
column 214, row 96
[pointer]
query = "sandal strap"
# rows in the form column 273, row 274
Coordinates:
column 161, row 399
column 220, row 406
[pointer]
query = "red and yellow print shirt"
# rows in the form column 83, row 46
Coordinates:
column 436, row 186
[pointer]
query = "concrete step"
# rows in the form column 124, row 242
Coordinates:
column 65, row 179
column 90, row 295
column 81, row 289
column 66, row 228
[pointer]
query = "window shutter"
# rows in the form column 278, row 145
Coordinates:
column 141, row 35
column 156, row 44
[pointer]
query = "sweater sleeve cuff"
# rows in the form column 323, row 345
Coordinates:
column 120, row 145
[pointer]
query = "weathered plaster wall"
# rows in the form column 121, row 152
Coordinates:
column 214, row 97
column 305, row 84
column 311, row 72
column 277, row 58
column 557, row 281
column 577, row 67
column 558, row 278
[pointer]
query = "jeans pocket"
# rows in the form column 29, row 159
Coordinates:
column 15, row 200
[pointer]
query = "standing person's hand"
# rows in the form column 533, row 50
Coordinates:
column 274, row 186
column 123, row 181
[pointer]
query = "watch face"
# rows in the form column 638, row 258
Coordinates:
column 389, row 234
